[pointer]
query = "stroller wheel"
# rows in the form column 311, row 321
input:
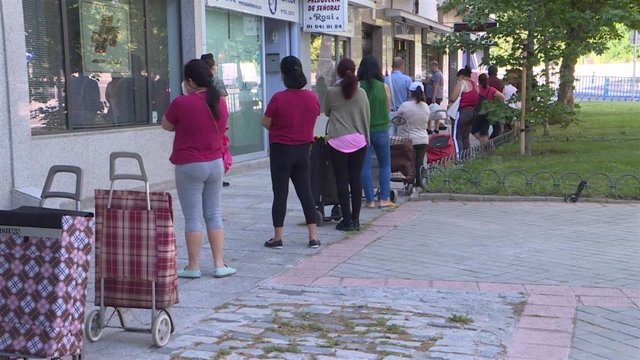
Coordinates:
column 408, row 189
column 393, row 195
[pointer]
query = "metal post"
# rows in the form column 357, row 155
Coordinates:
column 523, row 101
column 635, row 52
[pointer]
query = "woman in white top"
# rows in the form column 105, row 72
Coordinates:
column 416, row 113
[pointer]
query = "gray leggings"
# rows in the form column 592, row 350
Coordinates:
column 199, row 188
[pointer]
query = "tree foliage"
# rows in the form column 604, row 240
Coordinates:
column 563, row 30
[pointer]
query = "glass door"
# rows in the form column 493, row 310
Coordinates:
column 234, row 40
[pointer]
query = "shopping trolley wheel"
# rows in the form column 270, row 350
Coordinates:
column 319, row 218
column 161, row 329
column 336, row 213
column 92, row 328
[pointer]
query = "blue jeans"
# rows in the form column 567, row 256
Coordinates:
column 381, row 145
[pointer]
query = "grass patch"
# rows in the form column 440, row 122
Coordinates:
column 290, row 328
column 605, row 140
column 291, row 348
column 460, row 319
column 394, row 329
column 428, row 344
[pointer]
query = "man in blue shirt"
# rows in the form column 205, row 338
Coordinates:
column 399, row 84
column 435, row 85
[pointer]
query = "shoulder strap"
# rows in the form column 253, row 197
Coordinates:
column 391, row 90
column 213, row 118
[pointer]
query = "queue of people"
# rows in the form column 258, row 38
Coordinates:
column 358, row 107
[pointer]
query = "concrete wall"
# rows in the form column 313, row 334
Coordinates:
column 6, row 174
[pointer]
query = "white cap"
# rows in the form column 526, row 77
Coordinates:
column 415, row 85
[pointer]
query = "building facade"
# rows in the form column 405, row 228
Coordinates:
column 84, row 78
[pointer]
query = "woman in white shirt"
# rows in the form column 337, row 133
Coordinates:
column 416, row 113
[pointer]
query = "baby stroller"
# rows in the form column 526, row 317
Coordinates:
column 440, row 145
column 402, row 169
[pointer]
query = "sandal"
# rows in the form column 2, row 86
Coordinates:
column 370, row 205
column 389, row 205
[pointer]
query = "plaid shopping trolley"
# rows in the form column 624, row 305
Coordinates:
column 135, row 255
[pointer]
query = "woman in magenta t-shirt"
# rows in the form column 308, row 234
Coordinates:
column 199, row 119
column 290, row 118
column 480, row 128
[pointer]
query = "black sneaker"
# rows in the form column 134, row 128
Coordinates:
column 314, row 243
column 356, row 225
column 342, row 226
column 225, row 184
column 442, row 127
column 273, row 244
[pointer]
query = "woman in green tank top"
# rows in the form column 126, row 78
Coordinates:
column 372, row 81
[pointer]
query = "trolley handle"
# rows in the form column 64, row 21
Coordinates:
column 114, row 175
column 47, row 193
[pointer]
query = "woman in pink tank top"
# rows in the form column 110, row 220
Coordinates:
column 467, row 90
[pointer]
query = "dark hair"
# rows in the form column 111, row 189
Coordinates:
column 418, row 95
column 369, row 69
column 200, row 73
column 493, row 70
column 465, row 72
column 483, row 80
column 349, row 83
column 208, row 58
column 292, row 75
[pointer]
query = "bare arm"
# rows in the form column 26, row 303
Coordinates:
column 266, row 122
column 167, row 125
column 436, row 87
column 386, row 90
column 498, row 95
column 456, row 92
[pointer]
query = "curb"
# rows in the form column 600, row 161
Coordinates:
column 514, row 198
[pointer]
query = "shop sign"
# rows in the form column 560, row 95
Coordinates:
column 329, row 16
column 105, row 37
column 277, row 9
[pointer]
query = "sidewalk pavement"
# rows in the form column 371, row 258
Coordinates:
column 429, row 280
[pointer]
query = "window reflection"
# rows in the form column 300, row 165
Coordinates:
column 111, row 68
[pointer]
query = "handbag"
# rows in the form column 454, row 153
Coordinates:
column 227, row 160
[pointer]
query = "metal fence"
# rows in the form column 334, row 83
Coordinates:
column 449, row 175
column 607, row 88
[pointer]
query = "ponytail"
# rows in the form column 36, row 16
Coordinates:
column 200, row 73
column 213, row 98
column 349, row 83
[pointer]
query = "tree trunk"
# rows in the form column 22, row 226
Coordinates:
column 567, row 79
column 529, row 48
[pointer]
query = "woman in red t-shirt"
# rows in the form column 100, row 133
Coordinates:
column 199, row 119
column 290, row 118
column 480, row 128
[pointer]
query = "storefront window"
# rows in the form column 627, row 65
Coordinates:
column 323, row 63
column 234, row 40
column 97, row 64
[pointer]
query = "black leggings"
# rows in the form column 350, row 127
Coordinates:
column 347, row 168
column 291, row 162
column 418, row 160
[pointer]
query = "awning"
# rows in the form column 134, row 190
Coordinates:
column 416, row 20
column 366, row 4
